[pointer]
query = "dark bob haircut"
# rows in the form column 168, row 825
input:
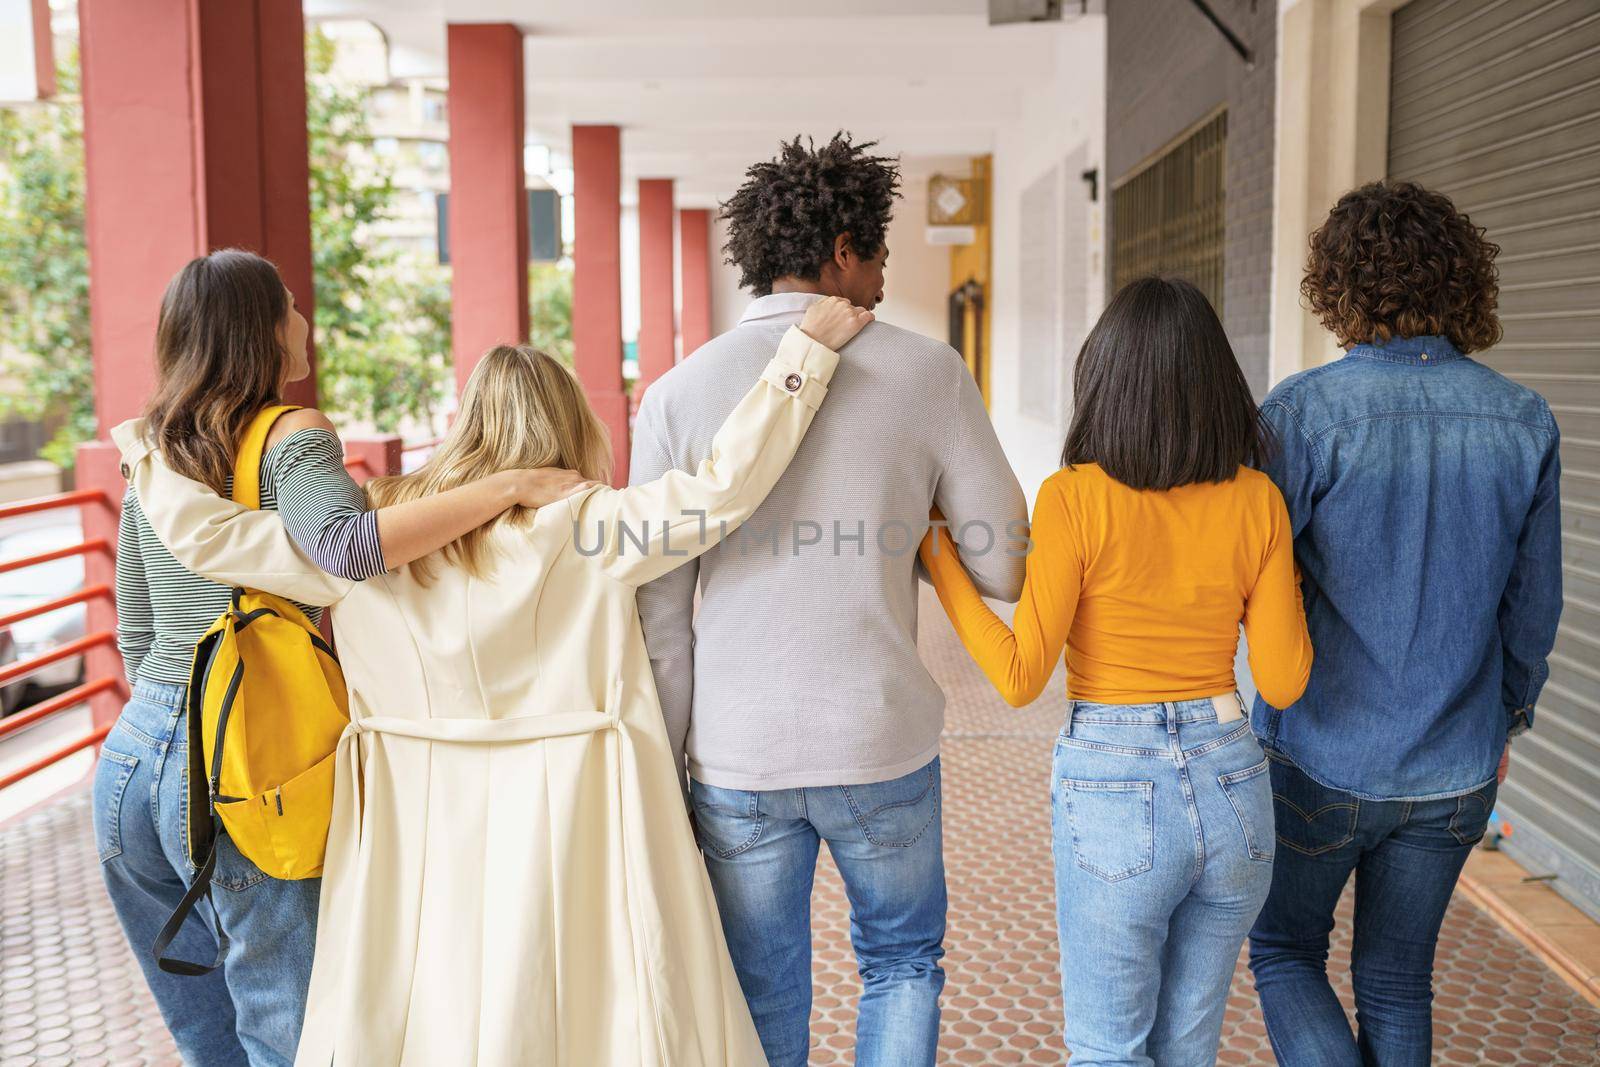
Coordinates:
column 1396, row 260
column 1159, row 400
column 783, row 220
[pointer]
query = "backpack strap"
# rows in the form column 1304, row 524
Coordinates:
column 247, row 461
column 200, row 887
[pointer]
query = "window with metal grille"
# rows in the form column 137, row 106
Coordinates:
column 1167, row 216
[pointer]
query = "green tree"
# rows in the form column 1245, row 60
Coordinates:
column 550, row 310
column 44, row 267
column 383, row 324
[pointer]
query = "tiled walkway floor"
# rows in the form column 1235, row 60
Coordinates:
column 71, row 994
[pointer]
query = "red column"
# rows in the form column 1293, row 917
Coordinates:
column 194, row 139
column 44, row 52
column 597, row 280
column 694, row 256
column 657, row 326
column 488, row 198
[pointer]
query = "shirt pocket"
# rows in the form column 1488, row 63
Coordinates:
column 1113, row 826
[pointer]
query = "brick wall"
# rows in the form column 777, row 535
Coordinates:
column 1167, row 68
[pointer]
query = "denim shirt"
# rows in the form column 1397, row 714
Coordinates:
column 1423, row 492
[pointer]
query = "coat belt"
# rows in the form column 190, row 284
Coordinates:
column 486, row 731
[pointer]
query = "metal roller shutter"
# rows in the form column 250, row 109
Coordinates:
column 1496, row 103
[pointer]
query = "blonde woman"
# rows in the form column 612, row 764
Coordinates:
column 511, row 876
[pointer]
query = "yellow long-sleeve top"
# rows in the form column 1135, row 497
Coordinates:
column 1145, row 590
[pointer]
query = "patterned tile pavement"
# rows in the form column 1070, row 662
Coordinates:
column 71, row 993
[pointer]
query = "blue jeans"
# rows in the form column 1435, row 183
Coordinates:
column 1162, row 834
column 1406, row 856
column 249, row 1011
column 761, row 852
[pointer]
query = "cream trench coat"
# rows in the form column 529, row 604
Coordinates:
column 511, row 877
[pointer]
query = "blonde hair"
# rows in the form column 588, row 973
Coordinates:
column 520, row 409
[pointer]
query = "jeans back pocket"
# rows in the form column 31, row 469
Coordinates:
column 1249, row 792
column 896, row 813
column 1113, row 826
column 1471, row 818
column 1311, row 818
column 111, row 778
column 727, row 821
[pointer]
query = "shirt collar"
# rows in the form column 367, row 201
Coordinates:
column 1421, row 351
column 784, row 308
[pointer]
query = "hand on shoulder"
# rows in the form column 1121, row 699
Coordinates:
column 833, row 321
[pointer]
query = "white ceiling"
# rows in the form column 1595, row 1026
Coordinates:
column 703, row 88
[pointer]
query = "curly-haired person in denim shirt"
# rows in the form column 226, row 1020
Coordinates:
column 1422, row 488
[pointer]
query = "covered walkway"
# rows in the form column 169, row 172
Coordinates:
column 71, row 994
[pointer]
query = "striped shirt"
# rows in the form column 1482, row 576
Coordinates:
column 162, row 609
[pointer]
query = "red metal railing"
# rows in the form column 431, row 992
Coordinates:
column 81, row 596
column 15, row 671
column 22, row 668
column 50, row 503
column 97, row 544
column 46, row 708
column 93, row 737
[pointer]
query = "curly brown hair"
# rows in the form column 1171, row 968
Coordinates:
column 1397, row 260
column 783, row 221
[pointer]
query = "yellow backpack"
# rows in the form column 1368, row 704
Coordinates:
column 267, row 704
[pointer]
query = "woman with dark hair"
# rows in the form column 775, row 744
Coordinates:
column 1424, row 492
column 1151, row 546
column 228, row 340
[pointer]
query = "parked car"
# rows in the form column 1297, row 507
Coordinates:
column 33, row 585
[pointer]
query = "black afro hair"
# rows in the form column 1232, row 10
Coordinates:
column 782, row 222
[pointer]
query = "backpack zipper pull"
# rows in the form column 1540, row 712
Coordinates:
column 279, row 795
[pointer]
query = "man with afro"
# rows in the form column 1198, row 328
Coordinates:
column 796, row 699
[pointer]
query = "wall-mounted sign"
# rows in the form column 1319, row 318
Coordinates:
column 951, row 201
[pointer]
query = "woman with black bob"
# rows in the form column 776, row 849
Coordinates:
column 1151, row 546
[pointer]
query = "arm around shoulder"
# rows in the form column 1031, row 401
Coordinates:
column 217, row 538
column 639, row 533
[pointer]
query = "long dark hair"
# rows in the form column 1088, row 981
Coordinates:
column 1159, row 400
column 219, row 360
